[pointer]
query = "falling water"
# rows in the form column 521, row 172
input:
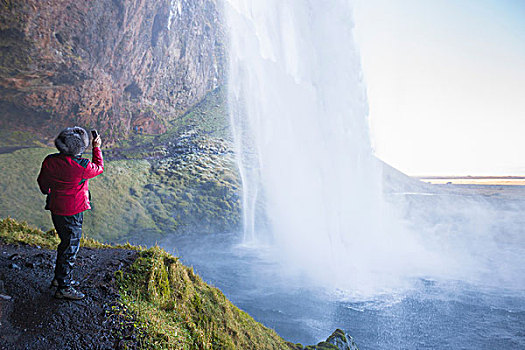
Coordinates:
column 311, row 186
column 315, row 215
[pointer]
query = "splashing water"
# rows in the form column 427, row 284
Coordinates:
column 311, row 186
column 315, row 220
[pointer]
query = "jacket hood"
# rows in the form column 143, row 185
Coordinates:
column 72, row 141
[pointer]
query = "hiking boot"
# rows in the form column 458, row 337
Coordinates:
column 69, row 293
column 73, row 283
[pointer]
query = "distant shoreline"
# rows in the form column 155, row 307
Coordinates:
column 473, row 180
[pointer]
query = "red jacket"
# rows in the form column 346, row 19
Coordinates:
column 64, row 179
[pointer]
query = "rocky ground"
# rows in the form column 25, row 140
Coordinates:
column 137, row 298
column 30, row 318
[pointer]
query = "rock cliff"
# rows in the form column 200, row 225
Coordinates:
column 114, row 65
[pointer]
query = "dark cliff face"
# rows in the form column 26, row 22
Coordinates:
column 114, row 65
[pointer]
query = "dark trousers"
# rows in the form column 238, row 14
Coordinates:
column 69, row 229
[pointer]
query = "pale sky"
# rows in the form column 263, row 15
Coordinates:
column 446, row 84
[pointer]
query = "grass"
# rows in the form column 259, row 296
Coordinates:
column 15, row 232
column 132, row 197
column 20, row 232
column 169, row 304
column 174, row 308
column 20, row 197
column 210, row 116
column 117, row 209
column 184, row 312
column 18, row 138
column 149, row 189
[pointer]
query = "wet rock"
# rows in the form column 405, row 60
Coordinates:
column 339, row 340
column 32, row 319
column 342, row 341
column 14, row 256
column 14, row 266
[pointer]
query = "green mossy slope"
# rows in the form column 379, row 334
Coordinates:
column 184, row 180
column 183, row 312
column 114, row 206
column 132, row 199
column 174, row 307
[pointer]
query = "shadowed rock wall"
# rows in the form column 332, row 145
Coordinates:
column 114, row 65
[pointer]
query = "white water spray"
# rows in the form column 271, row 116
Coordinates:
column 312, row 193
column 299, row 116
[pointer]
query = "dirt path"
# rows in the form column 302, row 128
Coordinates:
column 30, row 318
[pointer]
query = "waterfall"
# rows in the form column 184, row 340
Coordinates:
column 298, row 106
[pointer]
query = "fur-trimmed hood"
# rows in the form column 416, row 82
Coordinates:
column 72, row 141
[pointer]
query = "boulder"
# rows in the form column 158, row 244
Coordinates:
column 339, row 340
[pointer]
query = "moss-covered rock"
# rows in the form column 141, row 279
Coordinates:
column 339, row 340
column 138, row 200
column 183, row 312
column 171, row 305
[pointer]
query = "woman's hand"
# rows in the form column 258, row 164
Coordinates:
column 97, row 142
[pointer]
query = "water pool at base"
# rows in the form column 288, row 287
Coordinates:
column 429, row 315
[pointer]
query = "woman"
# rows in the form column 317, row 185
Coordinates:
column 64, row 179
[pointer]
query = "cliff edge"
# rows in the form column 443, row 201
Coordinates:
column 136, row 298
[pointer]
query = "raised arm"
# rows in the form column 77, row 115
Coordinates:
column 96, row 166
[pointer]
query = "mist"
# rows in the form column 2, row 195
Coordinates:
column 331, row 235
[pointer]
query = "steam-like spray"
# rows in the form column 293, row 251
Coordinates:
column 312, row 194
column 299, row 114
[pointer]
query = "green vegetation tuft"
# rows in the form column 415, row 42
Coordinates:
column 132, row 197
column 15, row 232
column 182, row 181
column 181, row 311
column 173, row 307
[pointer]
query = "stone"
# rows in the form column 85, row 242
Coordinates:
column 14, row 266
column 339, row 340
column 5, row 297
column 342, row 341
column 117, row 66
